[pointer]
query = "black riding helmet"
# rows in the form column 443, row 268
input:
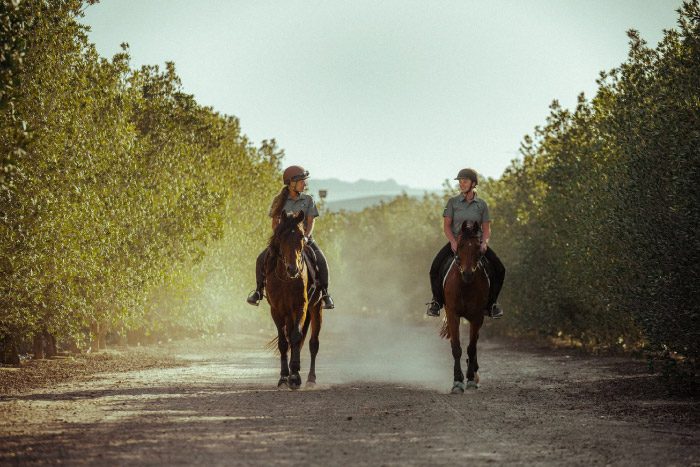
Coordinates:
column 469, row 174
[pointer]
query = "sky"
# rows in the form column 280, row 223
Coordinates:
column 408, row 90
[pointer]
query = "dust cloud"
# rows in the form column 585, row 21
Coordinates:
column 397, row 345
column 379, row 349
column 379, row 331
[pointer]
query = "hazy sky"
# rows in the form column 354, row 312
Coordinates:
column 410, row 90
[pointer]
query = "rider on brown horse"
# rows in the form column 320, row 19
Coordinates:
column 292, row 199
column 466, row 206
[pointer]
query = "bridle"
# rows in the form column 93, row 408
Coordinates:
column 478, row 261
column 299, row 263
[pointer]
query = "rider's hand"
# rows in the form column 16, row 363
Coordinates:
column 453, row 245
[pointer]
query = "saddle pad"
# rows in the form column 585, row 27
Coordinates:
column 445, row 269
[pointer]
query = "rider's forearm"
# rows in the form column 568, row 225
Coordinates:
column 485, row 232
column 447, row 229
column 309, row 226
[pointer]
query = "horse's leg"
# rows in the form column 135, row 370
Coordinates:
column 283, row 346
column 453, row 327
column 316, row 320
column 295, row 340
column 472, row 363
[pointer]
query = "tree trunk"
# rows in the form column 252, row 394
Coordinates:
column 49, row 344
column 8, row 352
column 73, row 346
column 102, row 337
column 38, row 346
column 94, row 336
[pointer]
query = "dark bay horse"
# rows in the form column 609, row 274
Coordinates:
column 293, row 310
column 466, row 295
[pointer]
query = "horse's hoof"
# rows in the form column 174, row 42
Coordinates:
column 294, row 382
column 310, row 384
column 458, row 387
column 284, row 381
column 472, row 385
column 477, row 377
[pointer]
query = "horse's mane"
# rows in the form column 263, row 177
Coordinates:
column 285, row 226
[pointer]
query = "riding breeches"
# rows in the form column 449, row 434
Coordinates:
column 435, row 276
column 320, row 263
column 497, row 273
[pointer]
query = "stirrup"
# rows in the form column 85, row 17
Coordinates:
column 495, row 311
column 433, row 309
column 254, row 297
column 327, row 301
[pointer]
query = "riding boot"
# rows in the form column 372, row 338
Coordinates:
column 497, row 273
column 434, row 308
column 436, row 277
column 327, row 300
column 322, row 266
column 257, row 295
column 494, row 311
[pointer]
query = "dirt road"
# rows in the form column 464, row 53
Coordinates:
column 385, row 404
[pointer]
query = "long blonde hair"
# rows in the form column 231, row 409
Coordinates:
column 278, row 202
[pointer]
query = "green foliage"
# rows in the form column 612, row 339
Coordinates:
column 115, row 185
column 124, row 202
column 601, row 214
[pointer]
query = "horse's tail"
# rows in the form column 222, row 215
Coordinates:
column 272, row 345
column 445, row 330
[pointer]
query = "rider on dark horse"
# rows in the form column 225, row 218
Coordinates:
column 293, row 199
column 466, row 206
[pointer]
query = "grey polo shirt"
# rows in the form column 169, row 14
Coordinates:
column 303, row 203
column 460, row 210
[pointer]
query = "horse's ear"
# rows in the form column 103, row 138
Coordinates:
column 299, row 217
column 476, row 226
column 465, row 227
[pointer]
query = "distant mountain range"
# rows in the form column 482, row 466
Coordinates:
column 355, row 196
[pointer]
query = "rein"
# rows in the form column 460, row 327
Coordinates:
column 288, row 278
column 479, row 263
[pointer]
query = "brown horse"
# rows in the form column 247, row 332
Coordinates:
column 293, row 310
column 466, row 295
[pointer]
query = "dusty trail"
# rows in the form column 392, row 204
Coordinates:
column 376, row 405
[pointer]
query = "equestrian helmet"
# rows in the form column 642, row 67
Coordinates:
column 468, row 174
column 294, row 173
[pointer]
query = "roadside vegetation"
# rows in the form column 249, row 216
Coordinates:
column 126, row 207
